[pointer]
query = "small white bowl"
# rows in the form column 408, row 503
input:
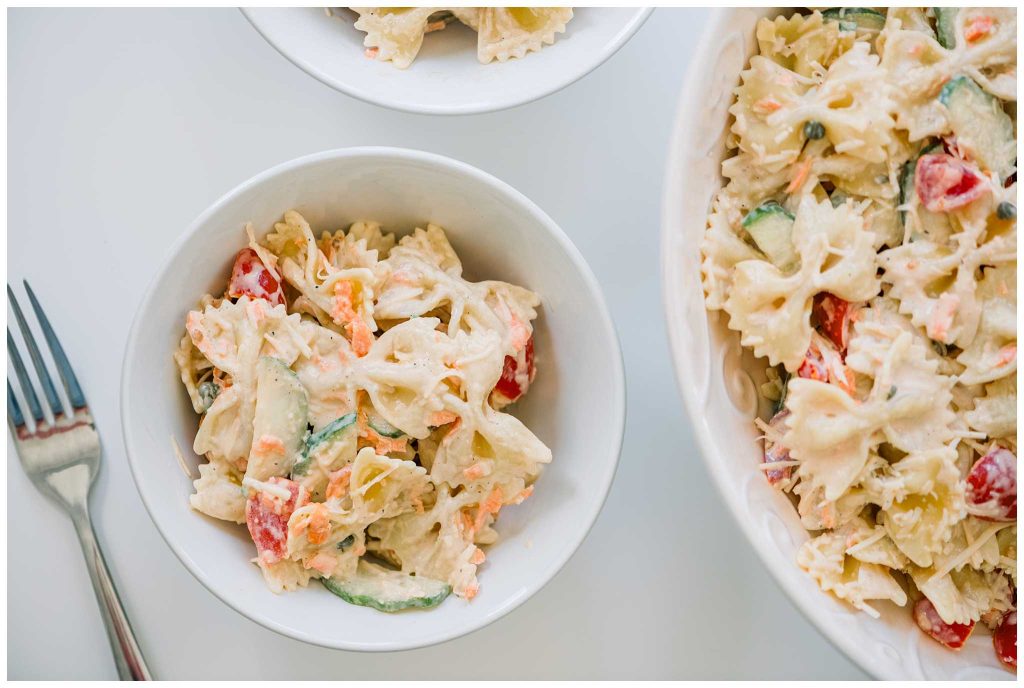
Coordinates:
column 445, row 78
column 576, row 406
column 716, row 377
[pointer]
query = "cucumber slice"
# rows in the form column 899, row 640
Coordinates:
column 945, row 26
column 282, row 412
column 983, row 129
column 853, row 18
column 387, row 590
column 317, row 441
column 771, row 226
column 381, row 426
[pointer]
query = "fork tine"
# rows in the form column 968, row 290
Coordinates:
column 75, row 395
column 23, row 379
column 37, row 360
column 13, row 410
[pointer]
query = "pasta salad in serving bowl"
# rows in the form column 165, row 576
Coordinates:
column 839, row 262
column 447, row 60
column 349, row 396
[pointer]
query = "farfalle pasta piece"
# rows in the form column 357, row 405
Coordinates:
column 341, row 298
column 992, row 354
column 404, row 373
column 832, row 434
column 233, row 336
column 438, row 543
column 918, row 66
column 218, row 491
column 772, row 310
column 995, row 413
column 383, row 487
column 722, row 249
column 846, row 576
column 804, row 44
column 328, row 375
column 961, row 597
column 853, row 104
column 921, row 520
column 767, row 87
column 935, row 282
column 973, row 543
column 394, row 34
column 284, row 575
column 506, row 32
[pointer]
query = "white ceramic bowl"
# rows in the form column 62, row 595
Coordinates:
column 716, row 380
column 445, row 78
column 577, row 405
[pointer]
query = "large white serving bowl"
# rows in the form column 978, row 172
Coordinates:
column 576, row 406
column 716, row 379
column 445, row 78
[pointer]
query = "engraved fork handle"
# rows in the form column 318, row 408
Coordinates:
column 127, row 656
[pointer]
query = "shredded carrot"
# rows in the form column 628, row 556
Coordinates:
column 827, row 517
column 801, row 176
column 477, row 470
column 451, row 431
column 1007, row 354
column 319, row 525
column 523, row 495
column 338, row 482
column 766, row 105
column 978, row 27
column 344, row 313
column 467, row 522
column 439, row 418
column 371, row 52
column 478, row 557
column 322, row 562
column 269, row 444
column 471, row 591
column 490, row 506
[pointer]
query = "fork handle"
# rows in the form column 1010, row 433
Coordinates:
column 127, row 655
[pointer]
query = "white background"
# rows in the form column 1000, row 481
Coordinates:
column 123, row 125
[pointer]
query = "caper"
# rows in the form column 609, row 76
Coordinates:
column 814, row 130
column 208, row 391
column 1006, row 211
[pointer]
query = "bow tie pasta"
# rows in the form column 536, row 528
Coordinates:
column 396, row 34
column 351, row 390
column 865, row 245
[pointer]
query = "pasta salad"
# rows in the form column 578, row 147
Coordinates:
column 351, row 390
column 396, row 34
column 865, row 245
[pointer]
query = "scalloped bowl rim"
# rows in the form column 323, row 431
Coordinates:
column 796, row 587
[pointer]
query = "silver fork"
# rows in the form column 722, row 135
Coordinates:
column 62, row 459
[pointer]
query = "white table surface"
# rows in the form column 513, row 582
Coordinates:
column 123, row 125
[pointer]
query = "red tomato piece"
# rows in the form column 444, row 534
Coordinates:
column 945, row 183
column 1004, row 639
column 511, row 385
column 833, row 317
column 952, row 636
column 267, row 517
column 250, row 277
column 992, row 486
column 775, row 452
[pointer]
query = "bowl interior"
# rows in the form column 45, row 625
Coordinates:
column 718, row 380
column 576, row 406
column 446, row 77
